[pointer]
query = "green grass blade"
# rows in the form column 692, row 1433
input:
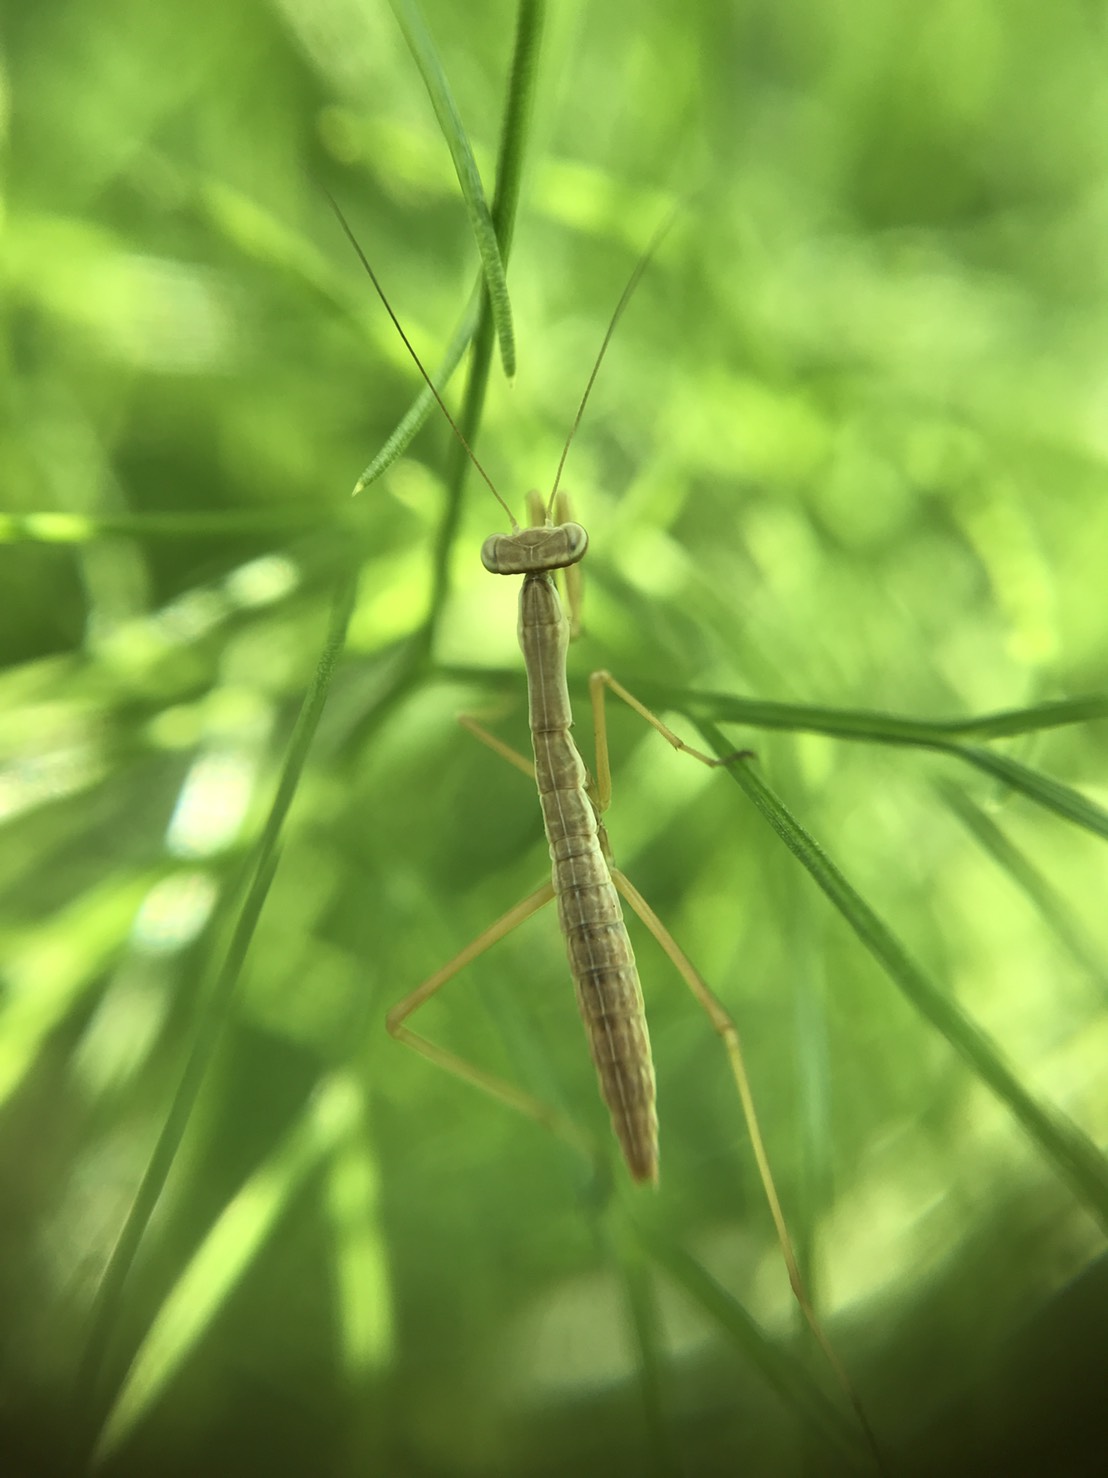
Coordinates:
column 514, row 134
column 82, row 528
column 49, row 967
column 509, row 173
column 786, row 1377
column 883, row 728
column 363, row 1301
column 810, row 1031
column 1026, row 876
column 438, row 89
column 1045, row 792
column 515, row 131
column 108, row 1304
column 1080, row 710
column 424, row 403
column 626, row 1256
column 476, row 321
column 837, row 723
column 1061, row 1143
column 225, row 1255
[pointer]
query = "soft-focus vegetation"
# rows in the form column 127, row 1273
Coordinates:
column 845, row 473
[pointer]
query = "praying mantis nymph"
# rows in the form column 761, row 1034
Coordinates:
column 584, row 879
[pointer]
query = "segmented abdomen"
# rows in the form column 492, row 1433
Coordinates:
column 610, row 1000
column 600, row 956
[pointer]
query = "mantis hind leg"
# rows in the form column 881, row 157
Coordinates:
column 505, row 751
column 488, row 1083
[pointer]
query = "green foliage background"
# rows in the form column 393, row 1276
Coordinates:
column 846, row 459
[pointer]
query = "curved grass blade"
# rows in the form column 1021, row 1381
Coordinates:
column 363, row 1309
column 514, row 134
column 475, row 321
column 424, row 403
column 516, row 127
column 837, row 723
column 422, row 48
column 786, row 1377
column 625, row 1255
column 1074, row 1157
column 1052, row 795
column 109, row 1299
column 882, row 728
column 1043, row 895
column 1012, row 721
column 941, row 735
column 51, row 963
column 226, row 1253
column 84, row 528
column 814, row 1188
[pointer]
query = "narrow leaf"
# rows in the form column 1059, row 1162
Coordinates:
column 438, row 89
column 1061, row 1143
column 224, row 1256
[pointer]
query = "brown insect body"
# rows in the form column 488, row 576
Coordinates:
column 601, row 959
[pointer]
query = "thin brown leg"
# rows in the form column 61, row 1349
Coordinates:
column 496, row 1087
column 599, row 682
column 505, row 751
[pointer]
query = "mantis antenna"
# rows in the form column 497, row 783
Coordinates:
column 632, row 283
column 344, row 223
column 625, row 297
